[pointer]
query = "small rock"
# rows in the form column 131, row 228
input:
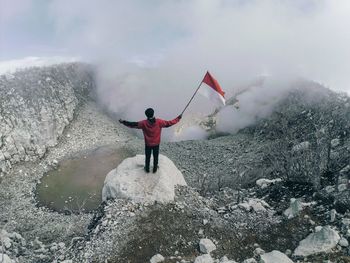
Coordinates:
column 7, row 242
column 206, row 258
column 343, row 242
column 250, row 260
column 333, row 213
column 157, row 258
column 224, row 259
column 206, row 246
column 274, row 257
column 294, row 208
column 258, row 251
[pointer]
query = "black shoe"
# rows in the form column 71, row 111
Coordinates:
column 155, row 169
column 146, row 169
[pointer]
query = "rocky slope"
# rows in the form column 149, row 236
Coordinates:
column 36, row 105
column 223, row 215
column 305, row 139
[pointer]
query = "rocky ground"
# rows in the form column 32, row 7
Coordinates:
column 90, row 129
column 243, row 219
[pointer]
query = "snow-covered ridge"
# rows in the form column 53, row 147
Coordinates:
column 11, row 66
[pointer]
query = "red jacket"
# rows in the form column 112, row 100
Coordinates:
column 152, row 130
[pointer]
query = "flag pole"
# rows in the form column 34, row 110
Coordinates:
column 192, row 97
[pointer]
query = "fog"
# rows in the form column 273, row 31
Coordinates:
column 155, row 53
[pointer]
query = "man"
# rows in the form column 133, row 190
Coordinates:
column 151, row 128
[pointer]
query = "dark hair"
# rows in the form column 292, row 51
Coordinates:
column 149, row 113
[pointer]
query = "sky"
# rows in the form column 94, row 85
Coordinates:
column 155, row 52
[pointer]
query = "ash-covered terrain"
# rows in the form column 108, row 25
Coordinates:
column 275, row 191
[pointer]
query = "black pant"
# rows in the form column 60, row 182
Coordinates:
column 148, row 151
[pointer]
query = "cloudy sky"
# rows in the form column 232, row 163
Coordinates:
column 162, row 48
column 305, row 37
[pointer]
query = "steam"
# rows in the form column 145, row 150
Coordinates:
column 154, row 53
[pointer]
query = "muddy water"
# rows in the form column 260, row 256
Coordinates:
column 76, row 184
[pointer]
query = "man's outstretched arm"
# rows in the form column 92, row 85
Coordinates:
column 130, row 124
column 167, row 124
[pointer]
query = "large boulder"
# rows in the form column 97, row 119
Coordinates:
column 130, row 181
column 323, row 240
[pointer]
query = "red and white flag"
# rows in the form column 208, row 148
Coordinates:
column 212, row 89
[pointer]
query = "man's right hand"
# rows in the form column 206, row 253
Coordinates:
column 180, row 116
column 121, row 121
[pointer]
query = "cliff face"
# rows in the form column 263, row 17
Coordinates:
column 36, row 105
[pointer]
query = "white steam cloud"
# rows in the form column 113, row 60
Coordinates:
column 154, row 53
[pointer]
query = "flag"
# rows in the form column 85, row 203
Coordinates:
column 212, row 89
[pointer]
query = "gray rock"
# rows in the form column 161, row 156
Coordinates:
column 157, row 258
column 294, row 208
column 206, row 258
column 343, row 242
column 206, row 246
column 129, row 181
column 323, row 240
column 274, row 257
column 333, row 214
column 224, row 259
column 258, row 251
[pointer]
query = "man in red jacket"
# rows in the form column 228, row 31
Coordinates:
column 152, row 129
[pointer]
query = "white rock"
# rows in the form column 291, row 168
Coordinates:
column 224, row 259
column 274, row 257
column 344, row 242
column 333, row 213
column 263, row 182
column 157, row 258
column 206, row 258
column 294, row 208
column 130, row 181
column 258, row 251
column 206, row 246
column 323, row 240
column 255, row 204
column 250, row 260
column 67, row 261
column 5, row 258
